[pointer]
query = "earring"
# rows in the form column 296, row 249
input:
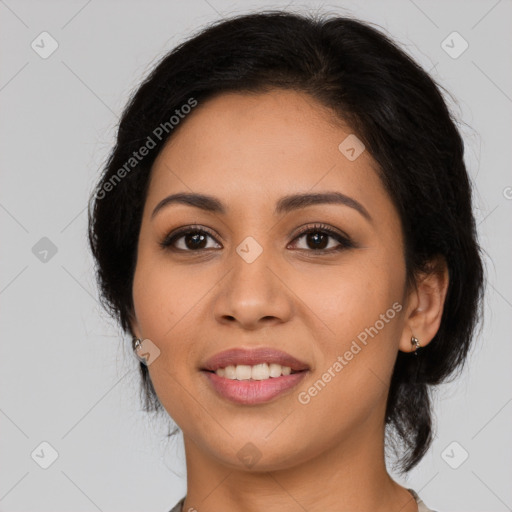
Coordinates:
column 136, row 343
column 416, row 343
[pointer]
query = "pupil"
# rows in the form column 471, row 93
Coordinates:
column 196, row 237
column 315, row 238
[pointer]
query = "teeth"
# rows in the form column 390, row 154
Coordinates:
column 243, row 372
column 229, row 372
column 262, row 371
column 275, row 370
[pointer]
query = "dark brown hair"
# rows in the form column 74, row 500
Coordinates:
column 392, row 105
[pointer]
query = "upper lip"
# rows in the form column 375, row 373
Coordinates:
column 251, row 357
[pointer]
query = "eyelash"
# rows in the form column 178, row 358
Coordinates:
column 344, row 241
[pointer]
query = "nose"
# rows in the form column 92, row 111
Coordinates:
column 254, row 295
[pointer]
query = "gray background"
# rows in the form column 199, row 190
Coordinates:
column 67, row 375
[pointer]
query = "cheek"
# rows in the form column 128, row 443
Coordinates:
column 356, row 355
column 348, row 298
column 359, row 310
column 164, row 301
column 170, row 307
column 163, row 294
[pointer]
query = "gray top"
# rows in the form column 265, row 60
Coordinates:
column 421, row 506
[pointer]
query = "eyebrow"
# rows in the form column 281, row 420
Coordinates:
column 285, row 205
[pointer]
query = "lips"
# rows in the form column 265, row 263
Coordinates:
column 251, row 357
column 253, row 391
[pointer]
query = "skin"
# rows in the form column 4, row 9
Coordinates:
column 249, row 151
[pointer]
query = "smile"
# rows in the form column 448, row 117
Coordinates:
column 253, row 376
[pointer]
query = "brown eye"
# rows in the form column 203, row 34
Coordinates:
column 323, row 239
column 188, row 240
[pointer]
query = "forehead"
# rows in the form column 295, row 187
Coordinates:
column 253, row 148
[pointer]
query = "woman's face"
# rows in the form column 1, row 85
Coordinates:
column 252, row 280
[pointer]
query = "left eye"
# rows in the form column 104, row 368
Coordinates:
column 318, row 240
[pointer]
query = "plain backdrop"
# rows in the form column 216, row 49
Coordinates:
column 67, row 375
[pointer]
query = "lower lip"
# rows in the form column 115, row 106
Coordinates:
column 251, row 392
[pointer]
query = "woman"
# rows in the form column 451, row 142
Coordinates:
column 285, row 229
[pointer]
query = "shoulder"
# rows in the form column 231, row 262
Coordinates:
column 178, row 506
column 421, row 506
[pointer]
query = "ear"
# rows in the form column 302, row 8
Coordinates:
column 425, row 305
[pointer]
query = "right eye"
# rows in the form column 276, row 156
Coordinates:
column 190, row 238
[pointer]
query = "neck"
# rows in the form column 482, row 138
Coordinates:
column 349, row 476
